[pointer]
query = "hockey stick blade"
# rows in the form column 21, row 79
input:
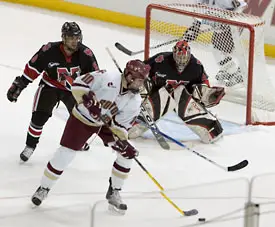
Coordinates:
column 123, row 49
column 154, row 128
column 191, row 212
column 238, row 166
column 162, row 142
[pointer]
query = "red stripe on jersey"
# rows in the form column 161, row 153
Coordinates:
column 36, row 98
column 31, row 73
column 205, row 80
column 79, row 85
column 55, row 83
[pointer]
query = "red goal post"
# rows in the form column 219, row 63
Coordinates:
column 166, row 22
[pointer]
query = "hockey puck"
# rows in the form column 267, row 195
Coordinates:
column 201, row 219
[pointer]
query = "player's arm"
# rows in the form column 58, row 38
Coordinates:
column 120, row 125
column 33, row 69
column 83, row 84
column 90, row 61
column 152, row 81
column 193, row 31
column 83, row 90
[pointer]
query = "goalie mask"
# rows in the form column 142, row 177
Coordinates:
column 135, row 73
column 181, row 54
column 71, row 35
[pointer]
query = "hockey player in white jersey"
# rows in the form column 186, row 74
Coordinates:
column 114, row 97
column 230, row 72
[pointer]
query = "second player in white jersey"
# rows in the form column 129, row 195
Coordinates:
column 225, row 39
column 117, row 104
column 233, row 5
column 113, row 98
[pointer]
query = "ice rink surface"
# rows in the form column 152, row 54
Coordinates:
column 190, row 181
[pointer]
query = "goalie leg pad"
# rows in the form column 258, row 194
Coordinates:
column 208, row 130
column 158, row 103
column 198, row 119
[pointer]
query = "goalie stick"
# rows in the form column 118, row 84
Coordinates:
column 232, row 168
column 148, row 119
column 183, row 212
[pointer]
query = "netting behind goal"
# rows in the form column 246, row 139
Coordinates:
column 222, row 35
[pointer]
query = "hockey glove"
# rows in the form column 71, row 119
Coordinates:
column 125, row 149
column 91, row 103
column 15, row 89
column 208, row 96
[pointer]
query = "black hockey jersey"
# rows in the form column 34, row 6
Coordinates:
column 57, row 69
column 164, row 71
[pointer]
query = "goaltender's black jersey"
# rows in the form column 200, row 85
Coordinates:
column 164, row 71
column 57, row 69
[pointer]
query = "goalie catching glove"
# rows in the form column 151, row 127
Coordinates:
column 125, row 149
column 208, row 96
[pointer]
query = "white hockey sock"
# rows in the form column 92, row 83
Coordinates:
column 61, row 159
column 120, row 171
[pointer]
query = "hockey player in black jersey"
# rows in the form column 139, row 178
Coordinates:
column 59, row 63
column 178, row 82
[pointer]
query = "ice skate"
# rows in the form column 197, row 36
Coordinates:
column 116, row 204
column 40, row 195
column 26, row 153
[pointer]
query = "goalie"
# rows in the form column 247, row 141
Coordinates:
column 178, row 82
column 230, row 72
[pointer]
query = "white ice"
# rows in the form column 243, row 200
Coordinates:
column 190, row 181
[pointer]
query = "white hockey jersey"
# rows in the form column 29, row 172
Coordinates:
column 123, row 108
column 233, row 5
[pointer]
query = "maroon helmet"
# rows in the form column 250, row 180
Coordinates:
column 135, row 72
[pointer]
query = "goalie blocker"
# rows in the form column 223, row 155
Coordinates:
column 191, row 108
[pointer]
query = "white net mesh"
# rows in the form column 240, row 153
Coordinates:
column 220, row 39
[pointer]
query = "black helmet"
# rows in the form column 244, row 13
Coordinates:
column 71, row 29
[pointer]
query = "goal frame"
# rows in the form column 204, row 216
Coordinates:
column 251, row 28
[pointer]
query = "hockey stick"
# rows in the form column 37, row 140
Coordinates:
column 149, row 121
column 235, row 167
column 125, row 50
column 132, row 53
column 184, row 213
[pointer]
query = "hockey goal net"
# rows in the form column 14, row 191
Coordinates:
column 250, row 100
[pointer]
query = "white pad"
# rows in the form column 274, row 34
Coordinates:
column 119, row 177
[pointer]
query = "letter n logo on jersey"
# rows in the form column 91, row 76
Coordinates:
column 64, row 76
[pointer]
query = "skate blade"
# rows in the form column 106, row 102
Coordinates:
column 115, row 211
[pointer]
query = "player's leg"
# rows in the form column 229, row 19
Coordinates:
column 223, row 42
column 74, row 136
column 69, row 101
column 196, row 117
column 44, row 101
column 120, row 171
column 157, row 104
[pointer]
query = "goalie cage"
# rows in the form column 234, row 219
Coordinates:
column 248, row 102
